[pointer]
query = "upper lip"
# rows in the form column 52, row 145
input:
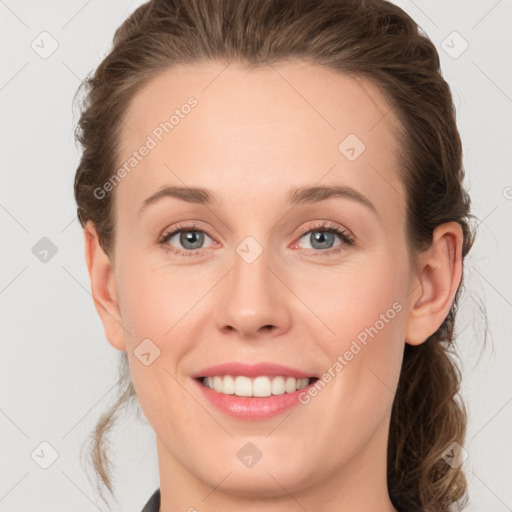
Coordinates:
column 251, row 370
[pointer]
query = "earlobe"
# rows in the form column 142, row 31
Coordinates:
column 436, row 283
column 103, row 288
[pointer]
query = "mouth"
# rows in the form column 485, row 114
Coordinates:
column 257, row 387
column 257, row 391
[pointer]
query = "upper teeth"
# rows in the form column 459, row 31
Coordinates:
column 259, row 386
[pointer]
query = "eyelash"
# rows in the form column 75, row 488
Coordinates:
column 345, row 236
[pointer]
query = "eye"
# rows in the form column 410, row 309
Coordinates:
column 190, row 237
column 322, row 236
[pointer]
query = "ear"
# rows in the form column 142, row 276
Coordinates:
column 435, row 283
column 103, row 288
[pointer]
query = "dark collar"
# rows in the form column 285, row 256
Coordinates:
column 153, row 504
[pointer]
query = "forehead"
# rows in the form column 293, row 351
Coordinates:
column 253, row 131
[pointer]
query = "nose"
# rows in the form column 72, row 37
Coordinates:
column 254, row 299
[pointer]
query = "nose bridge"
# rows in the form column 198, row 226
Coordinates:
column 252, row 266
column 253, row 296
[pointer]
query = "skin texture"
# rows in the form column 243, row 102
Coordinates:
column 254, row 135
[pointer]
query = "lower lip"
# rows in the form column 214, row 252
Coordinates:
column 253, row 407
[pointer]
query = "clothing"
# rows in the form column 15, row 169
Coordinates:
column 153, row 504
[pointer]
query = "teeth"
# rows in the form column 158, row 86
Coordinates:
column 259, row 386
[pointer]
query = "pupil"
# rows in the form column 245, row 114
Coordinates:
column 320, row 236
column 191, row 237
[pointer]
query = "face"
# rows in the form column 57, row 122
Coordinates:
column 320, row 286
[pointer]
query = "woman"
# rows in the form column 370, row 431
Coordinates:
column 275, row 228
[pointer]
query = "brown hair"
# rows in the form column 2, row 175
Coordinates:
column 373, row 39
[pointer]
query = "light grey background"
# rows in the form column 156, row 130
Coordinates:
column 57, row 371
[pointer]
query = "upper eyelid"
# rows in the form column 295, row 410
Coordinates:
column 324, row 225
column 318, row 226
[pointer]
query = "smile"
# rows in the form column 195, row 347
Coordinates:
column 260, row 386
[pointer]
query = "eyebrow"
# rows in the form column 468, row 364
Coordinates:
column 300, row 195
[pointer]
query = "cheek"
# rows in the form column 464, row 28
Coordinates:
column 154, row 299
column 366, row 311
column 156, row 306
column 359, row 295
